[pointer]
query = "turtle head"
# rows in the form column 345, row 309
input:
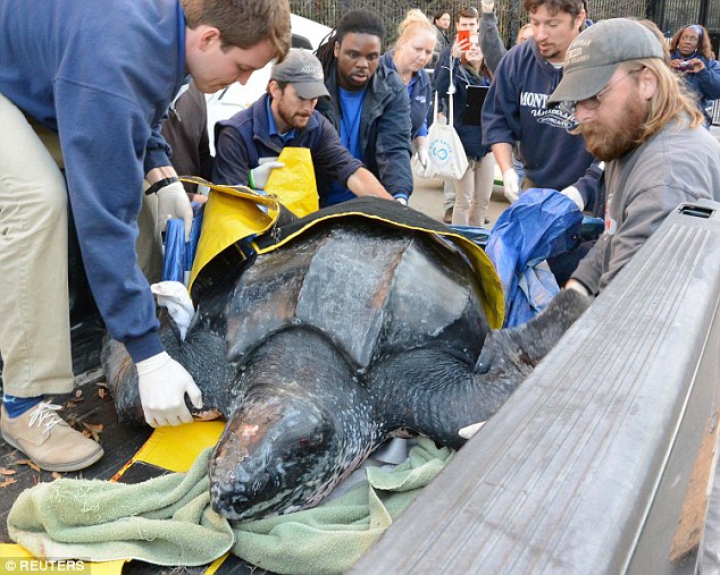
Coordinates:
column 277, row 454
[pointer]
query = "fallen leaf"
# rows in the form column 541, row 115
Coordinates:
column 95, row 429
column 6, row 471
column 56, row 475
column 7, row 482
column 29, row 463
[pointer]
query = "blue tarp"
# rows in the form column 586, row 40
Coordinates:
column 179, row 255
column 541, row 224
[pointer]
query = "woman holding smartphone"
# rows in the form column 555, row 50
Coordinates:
column 473, row 190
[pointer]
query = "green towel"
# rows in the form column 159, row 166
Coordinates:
column 168, row 520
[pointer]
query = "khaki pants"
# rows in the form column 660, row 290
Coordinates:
column 34, row 310
column 35, row 326
column 473, row 191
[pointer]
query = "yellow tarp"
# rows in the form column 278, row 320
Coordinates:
column 294, row 185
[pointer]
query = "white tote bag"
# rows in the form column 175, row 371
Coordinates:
column 447, row 155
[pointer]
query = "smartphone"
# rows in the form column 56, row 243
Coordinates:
column 464, row 37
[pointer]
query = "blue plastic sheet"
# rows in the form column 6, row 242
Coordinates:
column 541, row 224
column 179, row 254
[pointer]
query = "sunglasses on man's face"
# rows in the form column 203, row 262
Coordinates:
column 593, row 102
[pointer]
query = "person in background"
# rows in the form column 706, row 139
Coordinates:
column 467, row 20
column 636, row 115
column 473, row 190
column 491, row 43
column 691, row 56
column 515, row 109
column 96, row 88
column 441, row 23
column 413, row 50
column 249, row 143
column 368, row 105
column 186, row 131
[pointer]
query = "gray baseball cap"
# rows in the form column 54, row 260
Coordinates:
column 304, row 71
column 595, row 54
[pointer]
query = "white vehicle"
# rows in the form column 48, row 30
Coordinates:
column 223, row 104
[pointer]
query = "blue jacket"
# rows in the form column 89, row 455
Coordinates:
column 705, row 84
column 242, row 140
column 470, row 136
column 384, row 128
column 105, row 72
column 515, row 111
column 422, row 93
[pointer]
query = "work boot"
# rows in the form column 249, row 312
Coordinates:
column 46, row 439
column 447, row 218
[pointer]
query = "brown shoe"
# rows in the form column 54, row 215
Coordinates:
column 46, row 439
column 447, row 218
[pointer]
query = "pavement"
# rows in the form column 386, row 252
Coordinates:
column 427, row 197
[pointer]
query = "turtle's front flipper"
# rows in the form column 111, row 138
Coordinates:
column 437, row 393
column 521, row 348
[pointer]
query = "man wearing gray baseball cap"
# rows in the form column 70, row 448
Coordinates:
column 248, row 144
column 636, row 115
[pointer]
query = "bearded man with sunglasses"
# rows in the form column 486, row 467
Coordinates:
column 635, row 115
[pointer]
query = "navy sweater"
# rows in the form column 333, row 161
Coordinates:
column 515, row 111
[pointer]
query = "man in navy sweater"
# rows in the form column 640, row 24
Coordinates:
column 515, row 109
column 249, row 143
column 95, row 78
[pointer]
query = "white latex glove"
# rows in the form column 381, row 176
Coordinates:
column 401, row 200
column 470, row 430
column 577, row 286
column 574, row 194
column 163, row 383
column 488, row 6
column 511, row 185
column 173, row 202
column 259, row 176
column 423, row 156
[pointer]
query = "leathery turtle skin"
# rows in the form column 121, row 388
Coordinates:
column 324, row 348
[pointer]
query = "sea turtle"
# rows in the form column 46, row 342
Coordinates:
column 319, row 351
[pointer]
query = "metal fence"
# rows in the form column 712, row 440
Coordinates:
column 511, row 14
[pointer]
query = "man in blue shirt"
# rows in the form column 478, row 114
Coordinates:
column 97, row 77
column 369, row 104
column 250, row 141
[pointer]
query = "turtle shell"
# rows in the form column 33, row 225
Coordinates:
column 371, row 289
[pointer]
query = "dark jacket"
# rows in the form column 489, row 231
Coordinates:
column 186, row 131
column 470, row 136
column 242, row 140
column 384, row 128
column 421, row 97
column 515, row 111
column 705, row 84
column 105, row 74
column 441, row 42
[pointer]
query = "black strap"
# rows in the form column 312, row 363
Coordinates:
column 154, row 188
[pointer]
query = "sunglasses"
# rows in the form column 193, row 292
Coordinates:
column 593, row 102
